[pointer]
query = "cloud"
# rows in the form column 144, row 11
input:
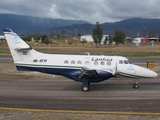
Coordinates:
column 129, row 9
column 92, row 11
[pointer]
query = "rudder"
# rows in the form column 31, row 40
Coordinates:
column 16, row 44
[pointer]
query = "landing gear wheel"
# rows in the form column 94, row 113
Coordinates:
column 136, row 86
column 85, row 89
column 85, row 85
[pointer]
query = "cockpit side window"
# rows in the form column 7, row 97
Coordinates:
column 129, row 62
column 120, row 62
column 125, row 62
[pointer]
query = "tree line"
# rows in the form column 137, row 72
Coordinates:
column 118, row 36
column 97, row 34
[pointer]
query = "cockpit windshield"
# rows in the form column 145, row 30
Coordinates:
column 124, row 62
column 129, row 62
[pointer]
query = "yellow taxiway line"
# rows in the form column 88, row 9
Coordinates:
column 80, row 111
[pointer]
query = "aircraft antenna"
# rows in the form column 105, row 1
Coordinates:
column 87, row 53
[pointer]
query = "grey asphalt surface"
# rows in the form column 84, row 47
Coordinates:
column 144, row 60
column 67, row 95
column 5, row 57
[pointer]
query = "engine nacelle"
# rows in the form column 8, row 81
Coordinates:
column 89, row 73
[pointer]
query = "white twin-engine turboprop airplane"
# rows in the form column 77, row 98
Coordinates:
column 82, row 68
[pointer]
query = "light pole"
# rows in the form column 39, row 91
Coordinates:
column 75, row 32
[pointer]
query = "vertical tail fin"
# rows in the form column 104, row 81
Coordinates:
column 16, row 44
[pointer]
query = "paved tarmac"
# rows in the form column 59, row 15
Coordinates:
column 67, row 95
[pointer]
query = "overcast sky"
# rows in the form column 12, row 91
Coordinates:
column 89, row 10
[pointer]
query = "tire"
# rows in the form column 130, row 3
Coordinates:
column 136, row 86
column 85, row 89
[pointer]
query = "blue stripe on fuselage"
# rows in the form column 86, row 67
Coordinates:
column 57, row 71
column 130, row 75
column 71, row 73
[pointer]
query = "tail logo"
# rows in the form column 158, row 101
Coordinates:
column 16, row 39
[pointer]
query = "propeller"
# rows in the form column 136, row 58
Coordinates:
column 116, row 73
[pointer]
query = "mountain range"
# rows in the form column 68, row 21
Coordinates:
column 132, row 27
column 27, row 25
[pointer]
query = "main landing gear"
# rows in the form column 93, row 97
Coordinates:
column 85, row 75
column 85, row 88
column 86, row 83
column 135, row 85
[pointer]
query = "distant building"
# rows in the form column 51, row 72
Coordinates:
column 139, row 40
column 2, row 38
column 153, row 39
column 88, row 38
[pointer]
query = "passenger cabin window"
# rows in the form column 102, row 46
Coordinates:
column 102, row 63
column 66, row 62
column 72, row 62
column 108, row 63
column 79, row 62
column 95, row 63
column 87, row 62
column 120, row 62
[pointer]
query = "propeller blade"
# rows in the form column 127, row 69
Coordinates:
column 116, row 72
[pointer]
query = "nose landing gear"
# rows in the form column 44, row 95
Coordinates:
column 135, row 85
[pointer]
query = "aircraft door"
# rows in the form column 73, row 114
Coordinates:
column 113, row 66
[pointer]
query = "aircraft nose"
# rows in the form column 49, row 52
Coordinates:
column 147, row 73
column 154, row 74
